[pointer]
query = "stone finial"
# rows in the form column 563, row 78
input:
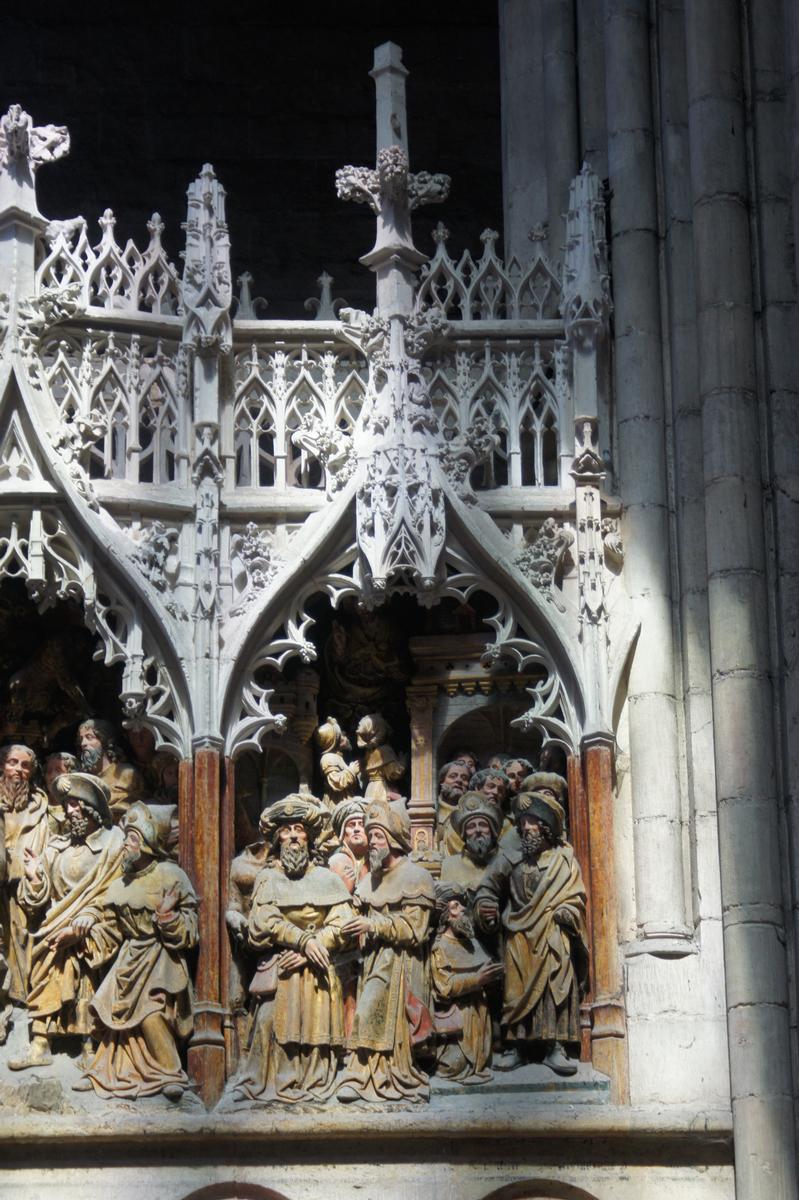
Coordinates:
column 23, row 148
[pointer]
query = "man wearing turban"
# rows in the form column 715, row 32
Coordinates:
column 296, row 922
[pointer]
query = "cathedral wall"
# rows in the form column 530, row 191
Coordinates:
column 388, row 1181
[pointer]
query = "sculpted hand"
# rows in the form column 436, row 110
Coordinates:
column 357, row 927
column 491, row 973
column 290, row 960
column 165, row 913
column 82, row 925
column 487, row 913
column 65, row 937
column 316, row 954
column 236, row 923
column 32, row 866
column 566, row 920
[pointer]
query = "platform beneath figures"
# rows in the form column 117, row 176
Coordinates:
column 535, row 1080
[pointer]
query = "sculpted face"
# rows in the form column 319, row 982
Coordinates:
column 455, row 909
column 469, row 761
column 293, row 833
column 516, row 773
column 54, row 767
column 354, row 835
column 88, row 740
column 494, row 789
column 477, row 827
column 18, row 763
column 457, row 778
column 378, row 839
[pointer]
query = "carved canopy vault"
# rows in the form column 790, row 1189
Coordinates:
column 194, row 475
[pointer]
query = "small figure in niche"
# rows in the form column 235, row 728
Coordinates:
column 461, row 973
column 380, row 765
column 537, row 894
column 341, row 777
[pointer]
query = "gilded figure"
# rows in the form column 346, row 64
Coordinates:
column 101, row 754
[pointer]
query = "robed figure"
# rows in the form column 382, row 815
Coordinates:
column 296, row 922
column 144, row 1006
column 396, row 900
column 537, row 890
column 69, row 882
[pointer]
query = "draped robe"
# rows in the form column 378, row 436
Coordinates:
column 73, row 883
column 298, row 1029
column 545, row 965
column 393, row 994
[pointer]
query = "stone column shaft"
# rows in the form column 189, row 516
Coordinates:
column 686, row 418
column 591, row 97
column 657, row 814
column 778, row 330
column 523, row 134
column 561, row 123
column 751, row 883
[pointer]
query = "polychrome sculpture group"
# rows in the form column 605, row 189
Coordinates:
column 358, row 972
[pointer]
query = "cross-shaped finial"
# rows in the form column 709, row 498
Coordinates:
column 23, row 148
column 390, row 190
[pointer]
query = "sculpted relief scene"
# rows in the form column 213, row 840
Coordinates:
column 314, row 649
column 371, row 953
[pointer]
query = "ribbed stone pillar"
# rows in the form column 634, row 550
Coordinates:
column 751, row 881
column 686, row 420
column 641, row 464
column 523, row 125
column 778, row 331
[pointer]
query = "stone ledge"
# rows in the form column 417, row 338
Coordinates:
column 456, row 1118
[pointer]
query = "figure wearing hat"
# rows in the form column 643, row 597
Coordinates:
column 396, row 900
column 477, row 823
column 296, row 922
column 341, row 777
column 69, row 880
column 461, row 973
column 144, row 1005
column 548, row 783
column 350, row 862
column 539, row 892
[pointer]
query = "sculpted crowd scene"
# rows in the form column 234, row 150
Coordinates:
column 361, row 968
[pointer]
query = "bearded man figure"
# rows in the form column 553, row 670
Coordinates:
column 461, row 973
column 538, row 890
column 23, row 807
column 144, row 1004
column 453, row 782
column 69, row 881
column 101, row 755
column 297, row 920
column 476, row 822
column 396, row 901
